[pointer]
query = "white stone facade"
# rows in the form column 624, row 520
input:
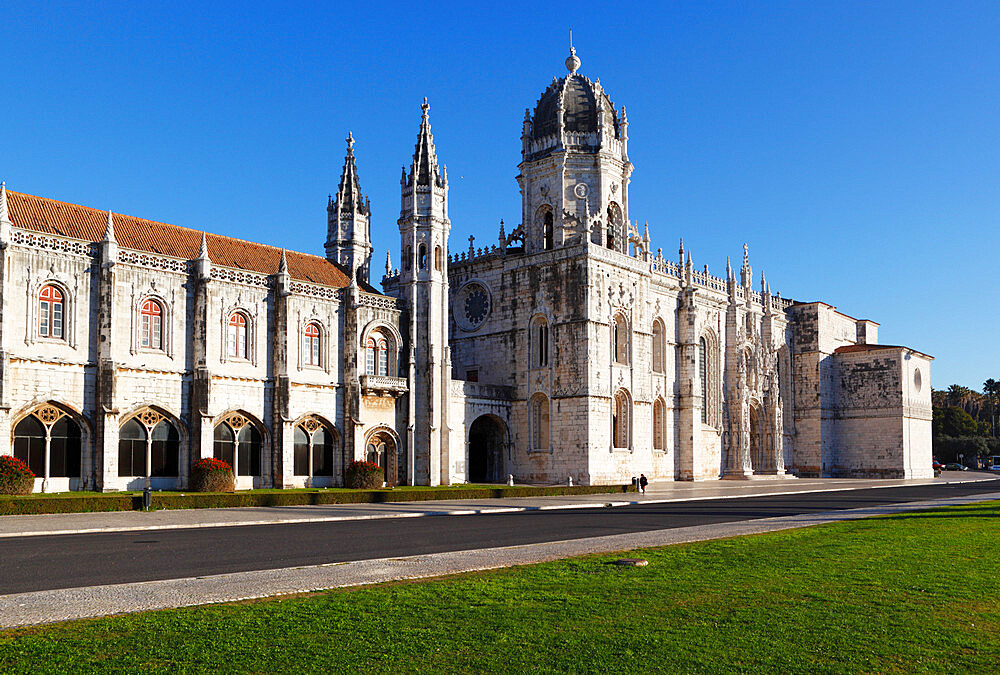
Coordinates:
column 567, row 350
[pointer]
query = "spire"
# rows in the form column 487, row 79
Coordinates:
column 349, row 192
column 573, row 61
column 203, row 251
column 283, row 263
column 424, row 169
column 388, row 265
column 746, row 274
column 680, row 252
column 4, row 210
column 729, row 268
column 109, row 230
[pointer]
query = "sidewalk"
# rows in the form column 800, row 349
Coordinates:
column 124, row 521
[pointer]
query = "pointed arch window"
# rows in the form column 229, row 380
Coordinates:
column 314, row 449
column 51, row 312
column 437, row 258
column 311, row 341
column 703, row 378
column 538, row 422
column 620, row 339
column 615, row 226
column 151, row 325
column 659, row 347
column 238, row 442
column 49, row 442
column 621, row 420
column 422, row 256
column 548, row 232
column 539, row 342
column 239, row 335
column 659, row 425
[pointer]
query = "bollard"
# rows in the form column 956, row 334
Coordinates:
column 510, row 480
column 570, row 481
column 147, row 499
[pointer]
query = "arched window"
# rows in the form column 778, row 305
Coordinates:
column 239, row 335
column 659, row 347
column 29, row 444
column 422, row 256
column 311, row 344
column 659, row 425
column 703, row 378
column 408, row 259
column 314, row 447
column 377, row 354
column 381, row 450
column 437, row 258
column 539, row 342
column 225, row 444
column 165, row 446
column 49, row 442
column 620, row 339
column 548, row 230
column 621, row 419
column 615, row 229
column 538, row 422
column 249, row 449
column 132, row 449
column 51, row 306
column 151, row 325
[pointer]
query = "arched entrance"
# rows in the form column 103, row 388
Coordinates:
column 487, row 439
column 381, row 449
column 756, row 447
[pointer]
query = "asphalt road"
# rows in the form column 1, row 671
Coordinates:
column 70, row 561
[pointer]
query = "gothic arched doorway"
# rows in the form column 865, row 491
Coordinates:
column 381, row 450
column 487, row 438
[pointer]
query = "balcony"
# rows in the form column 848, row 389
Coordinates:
column 383, row 385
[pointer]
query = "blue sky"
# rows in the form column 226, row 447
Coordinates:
column 853, row 145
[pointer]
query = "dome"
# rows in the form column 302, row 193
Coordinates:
column 580, row 111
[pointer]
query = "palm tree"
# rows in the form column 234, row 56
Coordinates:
column 992, row 390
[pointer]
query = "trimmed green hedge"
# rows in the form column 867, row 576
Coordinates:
column 94, row 502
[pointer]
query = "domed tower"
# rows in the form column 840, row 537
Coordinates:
column 574, row 166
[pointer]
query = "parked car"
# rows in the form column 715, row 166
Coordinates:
column 954, row 466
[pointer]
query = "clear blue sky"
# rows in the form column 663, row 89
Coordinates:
column 854, row 145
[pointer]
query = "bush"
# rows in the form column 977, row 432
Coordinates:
column 364, row 476
column 212, row 475
column 15, row 477
column 948, row 448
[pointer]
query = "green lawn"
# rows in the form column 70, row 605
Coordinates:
column 909, row 593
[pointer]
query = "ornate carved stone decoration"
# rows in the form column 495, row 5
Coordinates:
column 149, row 418
column 49, row 415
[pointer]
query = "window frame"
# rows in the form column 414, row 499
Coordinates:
column 234, row 342
column 156, row 323
column 50, row 309
column 312, row 345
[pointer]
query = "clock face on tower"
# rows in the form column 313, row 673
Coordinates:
column 472, row 306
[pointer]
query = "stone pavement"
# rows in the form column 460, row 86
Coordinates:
column 125, row 521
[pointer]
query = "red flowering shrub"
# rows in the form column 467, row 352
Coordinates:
column 15, row 476
column 364, row 475
column 212, row 475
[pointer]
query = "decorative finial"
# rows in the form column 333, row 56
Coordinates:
column 4, row 213
column 203, row 252
column 573, row 61
column 109, row 231
column 350, row 142
column 425, row 106
column 388, row 265
column 283, row 263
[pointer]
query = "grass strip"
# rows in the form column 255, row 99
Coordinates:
column 914, row 592
column 74, row 502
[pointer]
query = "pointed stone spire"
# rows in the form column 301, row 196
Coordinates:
column 283, row 263
column 203, row 251
column 4, row 211
column 109, row 230
column 746, row 274
column 349, row 192
column 424, row 170
column 729, row 268
column 680, row 253
column 388, row 265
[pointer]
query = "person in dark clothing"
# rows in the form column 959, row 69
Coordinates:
column 643, row 483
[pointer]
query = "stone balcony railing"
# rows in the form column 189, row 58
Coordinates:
column 383, row 384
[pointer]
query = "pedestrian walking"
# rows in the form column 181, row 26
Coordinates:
column 643, row 482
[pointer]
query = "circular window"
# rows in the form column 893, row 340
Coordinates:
column 471, row 306
column 916, row 379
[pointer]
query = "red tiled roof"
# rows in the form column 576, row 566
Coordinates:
column 49, row 216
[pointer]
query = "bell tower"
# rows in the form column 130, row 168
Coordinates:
column 574, row 166
column 423, row 284
column 348, row 239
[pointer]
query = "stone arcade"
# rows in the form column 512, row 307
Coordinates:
column 567, row 349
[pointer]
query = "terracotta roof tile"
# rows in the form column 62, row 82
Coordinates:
column 850, row 349
column 49, row 216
